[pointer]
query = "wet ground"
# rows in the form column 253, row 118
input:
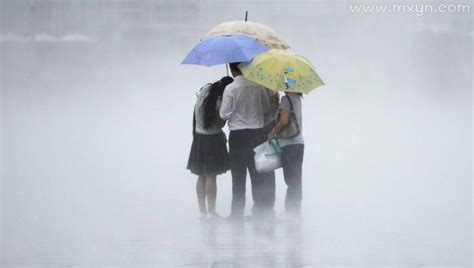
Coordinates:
column 96, row 128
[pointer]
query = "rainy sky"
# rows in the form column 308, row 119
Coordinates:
column 96, row 115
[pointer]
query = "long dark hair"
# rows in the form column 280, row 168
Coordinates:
column 209, row 103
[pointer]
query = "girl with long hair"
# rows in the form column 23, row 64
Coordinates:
column 209, row 156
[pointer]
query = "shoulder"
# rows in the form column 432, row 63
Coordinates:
column 258, row 88
column 204, row 91
column 293, row 97
column 230, row 86
column 284, row 103
column 229, row 89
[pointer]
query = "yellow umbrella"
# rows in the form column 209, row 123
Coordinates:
column 264, row 34
column 282, row 70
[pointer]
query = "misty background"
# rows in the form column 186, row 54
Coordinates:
column 96, row 120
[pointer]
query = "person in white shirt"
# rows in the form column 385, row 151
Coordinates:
column 246, row 106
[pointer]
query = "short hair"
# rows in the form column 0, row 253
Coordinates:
column 226, row 80
column 234, row 66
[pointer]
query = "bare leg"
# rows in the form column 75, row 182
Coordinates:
column 201, row 194
column 211, row 193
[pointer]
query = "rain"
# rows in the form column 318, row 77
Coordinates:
column 96, row 128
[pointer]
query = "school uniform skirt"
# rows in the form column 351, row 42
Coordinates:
column 209, row 155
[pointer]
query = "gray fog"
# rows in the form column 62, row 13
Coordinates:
column 96, row 115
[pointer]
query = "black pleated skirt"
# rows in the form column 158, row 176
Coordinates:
column 209, row 155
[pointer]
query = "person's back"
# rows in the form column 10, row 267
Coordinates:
column 246, row 106
column 208, row 156
column 217, row 123
column 292, row 151
column 296, row 108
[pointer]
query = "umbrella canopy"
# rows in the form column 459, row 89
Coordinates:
column 224, row 49
column 261, row 32
column 282, row 70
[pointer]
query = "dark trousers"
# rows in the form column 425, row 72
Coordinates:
column 241, row 145
column 292, row 162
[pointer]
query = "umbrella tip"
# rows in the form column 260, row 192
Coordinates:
column 246, row 13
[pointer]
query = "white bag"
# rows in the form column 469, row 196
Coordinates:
column 267, row 156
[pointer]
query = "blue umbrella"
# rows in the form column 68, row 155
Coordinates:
column 222, row 49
